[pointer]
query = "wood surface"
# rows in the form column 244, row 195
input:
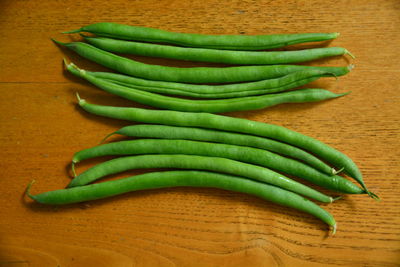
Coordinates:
column 41, row 128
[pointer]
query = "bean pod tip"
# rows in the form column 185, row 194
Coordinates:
column 72, row 31
column 81, row 101
column 334, row 227
column 58, row 42
column 347, row 52
column 28, row 190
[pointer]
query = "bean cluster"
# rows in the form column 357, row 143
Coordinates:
column 208, row 150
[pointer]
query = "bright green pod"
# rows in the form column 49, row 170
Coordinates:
column 214, row 55
column 231, row 42
column 157, row 180
column 190, row 75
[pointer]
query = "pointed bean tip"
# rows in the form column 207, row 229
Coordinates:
column 342, row 94
column 58, row 42
column 334, row 227
column 374, row 196
column 336, row 198
column 28, row 190
column 72, row 31
column 84, row 36
column 349, row 53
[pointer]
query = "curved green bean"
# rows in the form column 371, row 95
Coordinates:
column 225, row 123
column 196, row 163
column 199, row 134
column 213, row 55
column 240, row 153
column 231, row 42
column 189, row 75
column 286, row 82
column 212, row 89
column 166, row 91
column 156, row 180
column 211, row 106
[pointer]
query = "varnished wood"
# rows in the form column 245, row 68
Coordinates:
column 41, row 128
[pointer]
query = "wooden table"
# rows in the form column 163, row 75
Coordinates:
column 41, row 128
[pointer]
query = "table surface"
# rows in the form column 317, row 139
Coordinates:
column 41, row 128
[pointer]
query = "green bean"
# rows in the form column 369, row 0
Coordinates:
column 212, row 121
column 211, row 106
column 190, row 133
column 156, row 180
column 198, row 163
column 240, row 153
column 231, row 42
column 286, row 82
column 190, row 75
column 167, row 91
column 213, row 55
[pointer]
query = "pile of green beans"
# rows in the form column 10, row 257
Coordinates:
column 250, row 83
column 208, row 150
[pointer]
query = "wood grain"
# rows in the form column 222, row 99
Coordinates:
column 41, row 128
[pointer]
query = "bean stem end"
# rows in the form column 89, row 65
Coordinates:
column 347, row 52
column 28, row 190
column 334, row 227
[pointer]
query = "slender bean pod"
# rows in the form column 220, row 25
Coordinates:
column 225, row 123
column 189, row 75
column 240, row 153
column 199, row 134
column 284, row 83
column 268, row 84
column 197, row 163
column 156, row 180
column 231, row 42
column 166, row 91
column 213, row 55
column 211, row 106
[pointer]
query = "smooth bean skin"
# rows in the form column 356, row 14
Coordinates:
column 166, row 91
column 197, row 163
column 240, row 153
column 225, row 123
column 189, row 75
column 284, row 83
column 213, row 55
column 263, row 85
column 231, row 42
column 214, row 105
column 199, row 134
column 156, row 180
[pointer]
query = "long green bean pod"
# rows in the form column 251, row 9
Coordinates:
column 194, row 162
column 156, row 180
column 189, row 75
column 231, row 42
column 264, row 86
column 240, row 153
column 209, row 135
column 214, row 105
column 214, row 55
column 284, row 83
